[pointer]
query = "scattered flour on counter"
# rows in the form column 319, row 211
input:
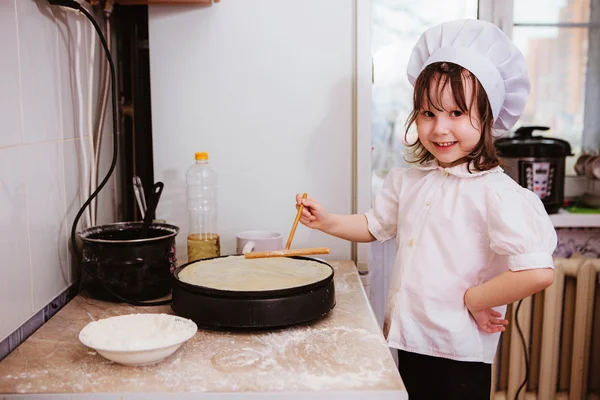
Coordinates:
column 293, row 359
column 302, row 358
column 342, row 285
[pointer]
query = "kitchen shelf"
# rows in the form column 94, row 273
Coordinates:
column 565, row 219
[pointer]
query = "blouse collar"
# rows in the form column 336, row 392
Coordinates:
column 459, row 170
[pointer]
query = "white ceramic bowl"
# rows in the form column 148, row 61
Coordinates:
column 137, row 339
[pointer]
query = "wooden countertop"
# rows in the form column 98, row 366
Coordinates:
column 342, row 352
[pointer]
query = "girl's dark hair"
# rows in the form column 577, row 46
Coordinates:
column 437, row 76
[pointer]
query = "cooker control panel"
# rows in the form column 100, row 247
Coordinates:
column 538, row 177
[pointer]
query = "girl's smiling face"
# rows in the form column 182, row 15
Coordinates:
column 449, row 131
column 453, row 117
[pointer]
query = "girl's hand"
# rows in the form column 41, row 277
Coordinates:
column 313, row 214
column 489, row 320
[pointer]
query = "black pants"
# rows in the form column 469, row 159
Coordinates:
column 427, row 377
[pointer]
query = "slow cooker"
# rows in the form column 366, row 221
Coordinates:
column 536, row 163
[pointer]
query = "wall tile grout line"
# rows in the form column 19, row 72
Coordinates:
column 29, row 258
column 42, row 142
column 20, row 75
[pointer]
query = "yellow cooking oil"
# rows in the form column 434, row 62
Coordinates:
column 203, row 245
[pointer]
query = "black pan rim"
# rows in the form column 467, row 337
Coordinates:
column 251, row 294
column 84, row 233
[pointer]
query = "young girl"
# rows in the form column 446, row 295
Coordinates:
column 470, row 239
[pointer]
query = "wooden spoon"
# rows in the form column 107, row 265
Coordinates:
column 287, row 252
column 289, row 241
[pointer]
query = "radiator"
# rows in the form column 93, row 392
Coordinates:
column 561, row 326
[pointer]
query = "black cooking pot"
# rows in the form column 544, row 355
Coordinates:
column 134, row 268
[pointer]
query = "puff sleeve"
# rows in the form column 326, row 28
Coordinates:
column 520, row 228
column 382, row 218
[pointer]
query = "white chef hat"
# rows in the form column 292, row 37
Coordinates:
column 484, row 50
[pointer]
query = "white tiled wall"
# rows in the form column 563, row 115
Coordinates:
column 40, row 151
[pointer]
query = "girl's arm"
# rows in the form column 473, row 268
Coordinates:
column 507, row 288
column 379, row 223
column 349, row 227
column 520, row 229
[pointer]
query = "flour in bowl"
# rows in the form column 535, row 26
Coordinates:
column 136, row 332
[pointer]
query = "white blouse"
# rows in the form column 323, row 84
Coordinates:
column 454, row 230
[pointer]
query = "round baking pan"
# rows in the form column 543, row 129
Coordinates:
column 253, row 309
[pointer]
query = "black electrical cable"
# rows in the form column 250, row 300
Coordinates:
column 76, row 6
column 524, row 350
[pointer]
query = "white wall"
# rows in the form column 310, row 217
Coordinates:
column 39, row 150
column 266, row 87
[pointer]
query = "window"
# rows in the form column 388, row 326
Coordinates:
column 553, row 36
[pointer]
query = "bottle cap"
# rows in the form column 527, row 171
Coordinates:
column 201, row 156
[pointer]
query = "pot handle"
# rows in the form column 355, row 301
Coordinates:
column 525, row 132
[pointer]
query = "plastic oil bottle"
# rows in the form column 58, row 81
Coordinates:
column 203, row 239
